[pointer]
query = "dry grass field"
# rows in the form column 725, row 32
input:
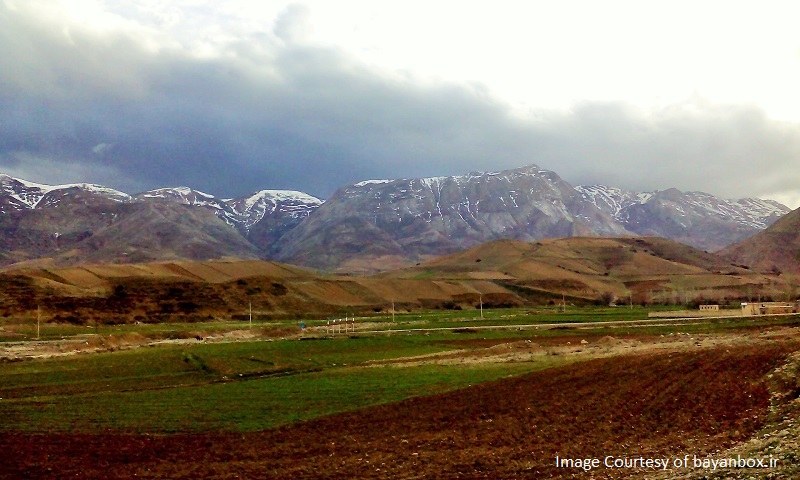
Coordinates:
column 648, row 269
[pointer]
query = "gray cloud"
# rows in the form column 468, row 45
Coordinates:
column 279, row 113
column 726, row 150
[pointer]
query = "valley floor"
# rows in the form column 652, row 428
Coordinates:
column 490, row 404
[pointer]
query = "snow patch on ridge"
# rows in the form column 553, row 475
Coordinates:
column 748, row 212
column 281, row 196
column 241, row 212
column 371, row 182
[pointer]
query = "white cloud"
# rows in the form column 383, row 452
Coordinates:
column 293, row 24
column 531, row 55
column 789, row 198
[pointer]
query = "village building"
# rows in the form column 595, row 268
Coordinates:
column 769, row 308
column 709, row 308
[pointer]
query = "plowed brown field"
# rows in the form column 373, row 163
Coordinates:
column 671, row 404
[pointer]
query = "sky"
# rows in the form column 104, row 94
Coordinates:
column 238, row 96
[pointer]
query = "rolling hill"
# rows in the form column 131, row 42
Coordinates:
column 776, row 249
column 628, row 269
column 501, row 273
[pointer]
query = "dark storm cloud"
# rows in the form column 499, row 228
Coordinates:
column 278, row 113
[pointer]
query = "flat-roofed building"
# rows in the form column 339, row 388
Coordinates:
column 768, row 308
column 709, row 308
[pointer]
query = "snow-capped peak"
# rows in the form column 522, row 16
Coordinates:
column 22, row 194
column 8, row 179
column 431, row 182
column 175, row 190
column 751, row 212
column 185, row 195
column 94, row 188
column 280, row 196
column 371, row 182
column 251, row 209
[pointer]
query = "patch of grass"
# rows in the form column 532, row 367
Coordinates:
column 246, row 405
column 179, row 364
column 244, row 386
column 19, row 329
column 513, row 316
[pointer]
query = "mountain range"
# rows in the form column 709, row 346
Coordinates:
column 78, row 223
column 392, row 222
column 370, row 225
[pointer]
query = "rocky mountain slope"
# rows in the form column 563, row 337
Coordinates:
column 90, row 223
column 262, row 217
column 418, row 218
column 19, row 195
column 85, row 222
column 79, row 230
column 695, row 218
column 388, row 222
column 266, row 216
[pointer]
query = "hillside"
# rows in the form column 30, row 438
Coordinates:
column 649, row 269
column 776, row 249
column 501, row 273
column 190, row 291
column 382, row 224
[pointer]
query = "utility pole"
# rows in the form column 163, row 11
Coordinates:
column 480, row 296
column 251, row 314
column 38, row 320
column 563, row 303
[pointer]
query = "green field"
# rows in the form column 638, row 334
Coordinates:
column 253, row 385
column 17, row 329
column 226, row 386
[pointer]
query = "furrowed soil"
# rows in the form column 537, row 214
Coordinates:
column 664, row 404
